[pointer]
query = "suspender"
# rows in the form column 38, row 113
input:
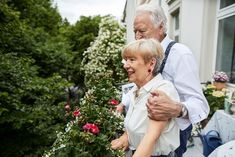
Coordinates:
column 166, row 56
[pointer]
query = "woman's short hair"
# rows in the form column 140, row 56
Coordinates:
column 157, row 14
column 148, row 48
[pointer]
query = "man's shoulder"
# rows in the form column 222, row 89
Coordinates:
column 181, row 49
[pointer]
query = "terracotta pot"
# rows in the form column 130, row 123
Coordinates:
column 219, row 85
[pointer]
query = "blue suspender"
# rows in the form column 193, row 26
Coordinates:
column 166, row 56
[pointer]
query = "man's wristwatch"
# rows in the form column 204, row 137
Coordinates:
column 184, row 111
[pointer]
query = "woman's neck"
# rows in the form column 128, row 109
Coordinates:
column 144, row 82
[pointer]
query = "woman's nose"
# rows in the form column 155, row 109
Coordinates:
column 125, row 64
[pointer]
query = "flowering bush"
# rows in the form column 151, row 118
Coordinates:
column 92, row 122
column 220, row 76
column 214, row 97
column 103, row 57
column 91, row 128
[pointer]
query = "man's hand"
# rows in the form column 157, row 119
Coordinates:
column 120, row 143
column 161, row 107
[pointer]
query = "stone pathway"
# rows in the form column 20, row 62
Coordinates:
column 196, row 149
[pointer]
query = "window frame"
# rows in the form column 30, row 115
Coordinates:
column 220, row 15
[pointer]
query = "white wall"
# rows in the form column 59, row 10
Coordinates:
column 208, row 41
column 130, row 12
column 191, row 25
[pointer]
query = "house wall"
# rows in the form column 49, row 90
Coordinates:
column 130, row 13
column 208, row 41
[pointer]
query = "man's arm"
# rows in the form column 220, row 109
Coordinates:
column 186, row 80
column 162, row 107
column 147, row 144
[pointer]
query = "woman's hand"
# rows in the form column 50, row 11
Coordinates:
column 120, row 108
column 120, row 143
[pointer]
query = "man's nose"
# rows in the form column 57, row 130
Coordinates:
column 138, row 36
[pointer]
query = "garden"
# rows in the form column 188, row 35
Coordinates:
column 59, row 83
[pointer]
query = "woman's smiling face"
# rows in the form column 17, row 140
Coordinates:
column 141, row 59
column 138, row 71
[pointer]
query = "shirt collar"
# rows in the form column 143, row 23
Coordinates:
column 165, row 42
column 155, row 82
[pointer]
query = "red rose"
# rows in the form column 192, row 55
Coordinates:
column 113, row 102
column 76, row 113
column 94, row 129
column 91, row 128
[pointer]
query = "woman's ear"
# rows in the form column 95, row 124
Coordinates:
column 153, row 62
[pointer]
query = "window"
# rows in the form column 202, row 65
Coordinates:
column 176, row 25
column 225, row 3
column 225, row 57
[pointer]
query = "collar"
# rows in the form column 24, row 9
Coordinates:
column 153, row 83
column 165, row 42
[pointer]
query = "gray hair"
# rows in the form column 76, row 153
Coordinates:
column 149, row 48
column 157, row 14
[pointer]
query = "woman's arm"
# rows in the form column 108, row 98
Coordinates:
column 147, row 144
column 121, row 142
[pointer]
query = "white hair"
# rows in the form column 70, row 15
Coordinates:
column 157, row 14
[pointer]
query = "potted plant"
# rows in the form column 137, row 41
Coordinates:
column 219, row 79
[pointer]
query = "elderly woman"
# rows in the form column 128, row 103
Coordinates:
column 145, row 137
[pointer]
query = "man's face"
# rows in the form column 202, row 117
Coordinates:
column 144, row 28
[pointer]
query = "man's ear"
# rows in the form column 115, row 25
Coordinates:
column 161, row 29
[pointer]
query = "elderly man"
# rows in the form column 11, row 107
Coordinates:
column 179, row 67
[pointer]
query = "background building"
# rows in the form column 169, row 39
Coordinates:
column 207, row 27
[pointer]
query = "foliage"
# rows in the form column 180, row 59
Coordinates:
column 30, row 107
column 36, row 60
column 215, row 98
column 38, row 14
column 40, row 41
column 79, row 37
column 39, row 54
column 220, row 76
column 96, row 124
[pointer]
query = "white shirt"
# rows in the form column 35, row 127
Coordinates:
column 136, row 120
column 181, row 70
